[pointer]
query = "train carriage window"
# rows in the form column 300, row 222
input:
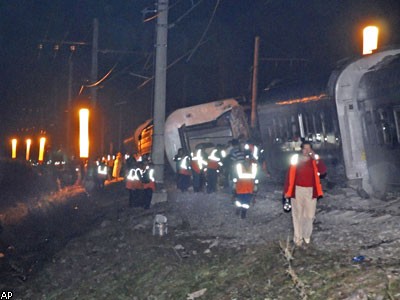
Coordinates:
column 323, row 127
column 295, row 128
column 287, row 128
column 385, row 128
column 280, row 128
column 368, row 128
column 396, row 112
column 317, row 126
column 275, row 132
column 306, row 123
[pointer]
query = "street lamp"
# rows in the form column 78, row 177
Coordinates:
column 14, row 148
column 28, row 148
column 370, row 39
column 84, row 133
column 42, row 142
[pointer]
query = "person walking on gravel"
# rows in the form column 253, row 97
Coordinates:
column 303, row 186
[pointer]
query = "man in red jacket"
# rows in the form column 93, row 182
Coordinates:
column 303, row 186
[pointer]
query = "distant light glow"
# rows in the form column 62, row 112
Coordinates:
column 370, row 39
column 42, row 142
column 84, row 133
column 14, row 148
column 28, row 148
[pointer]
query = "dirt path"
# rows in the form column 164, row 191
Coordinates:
column 102, row 249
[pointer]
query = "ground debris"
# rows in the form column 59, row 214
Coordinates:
column 196, row 294
column 229, row 258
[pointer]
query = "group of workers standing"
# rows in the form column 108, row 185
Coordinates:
column 236, row 166
column 140, row 181
column 240, row 167
column 138, row 172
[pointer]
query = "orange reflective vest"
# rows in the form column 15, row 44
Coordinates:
column 214, row 160
column 198, row 162
column 134, row 179
column 246, row 178
column 291, row 182
column 149, row 182
column 184, row 166
column 102, row 171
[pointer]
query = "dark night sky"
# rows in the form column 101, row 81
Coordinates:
column 33, row 90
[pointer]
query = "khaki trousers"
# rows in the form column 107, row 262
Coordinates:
column 303, row 213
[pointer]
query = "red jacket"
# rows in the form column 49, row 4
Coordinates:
column 304, row 173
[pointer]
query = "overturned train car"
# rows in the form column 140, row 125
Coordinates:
column 290, row 114
column 353, row 118
column 206, row 125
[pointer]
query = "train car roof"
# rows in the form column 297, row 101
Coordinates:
column 295, row 89
column 382, row 80
column 345, row 62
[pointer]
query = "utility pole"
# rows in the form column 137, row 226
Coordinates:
column 119, row 104
column 94, row 70
column 253, row 122
column 73, row 47
column 95, row 117
column 69, row 106
column 160, row 90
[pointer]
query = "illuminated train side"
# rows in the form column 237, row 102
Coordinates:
column 285, row 123
column 354, row 119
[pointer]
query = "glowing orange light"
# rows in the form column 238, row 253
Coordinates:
column 14, row 148
column 28, row 148
column 370, row 39
column 84, row 133
column 302, row 100
column 42, row 142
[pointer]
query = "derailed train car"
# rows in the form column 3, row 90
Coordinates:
column 379, row 102
column 351, row 115
column 292, row 113
column 208, row 125
column 353, row 118
column 142, row 140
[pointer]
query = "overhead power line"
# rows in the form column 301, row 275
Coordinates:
column 205, row 31
column 99, row 81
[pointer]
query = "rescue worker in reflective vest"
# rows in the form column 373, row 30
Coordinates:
column 214, row 163
column 303, row 186
column 183, row 170
column 102, row 173
column 149, row 183
column 134, row 185
column 258, row 155
column 245, row 184
column 198, row 163
column 236, row 155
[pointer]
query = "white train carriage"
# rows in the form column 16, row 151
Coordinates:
column 354, row 117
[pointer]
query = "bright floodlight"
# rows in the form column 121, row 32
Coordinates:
column 84, row 133
column 370, row 39
column 14, row 148
column 28, row 148
column 42, row 142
